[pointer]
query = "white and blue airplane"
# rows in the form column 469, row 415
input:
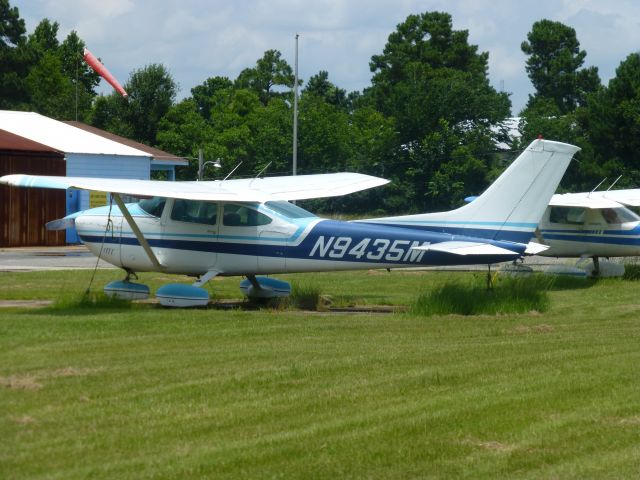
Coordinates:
column 248, row 227
column 592, row 225
column 596, row 224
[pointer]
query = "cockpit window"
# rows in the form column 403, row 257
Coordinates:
column 243, row 216
column 288, row 210
column 194, row 211
column 567, row 215
column 153, row 206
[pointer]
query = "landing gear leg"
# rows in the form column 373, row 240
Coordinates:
column 130, row 273
column 264, row 287
column 205, row 278
column 596, row 267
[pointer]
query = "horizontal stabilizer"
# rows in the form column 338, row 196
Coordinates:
column 534, row 248
column 466, row 248
column 299, row 187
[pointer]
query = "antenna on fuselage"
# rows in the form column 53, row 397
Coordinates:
column 231, row 172
column 603, row 180
column 260, row 173
column 614, row 182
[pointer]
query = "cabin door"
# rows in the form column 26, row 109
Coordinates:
column 275, row 250
column 190, row 236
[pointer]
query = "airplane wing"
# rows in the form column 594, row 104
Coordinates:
column 465, row 248
column 630, row 197
column 299, row 187
column 585, row 200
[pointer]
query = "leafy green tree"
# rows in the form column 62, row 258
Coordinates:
column 427, row 64
column 204, row 94
column 232, row 130
column 51, row 81
column 461, row 168
column 51, row 92
column 109, row 112
column 12, row 27
column 270, row 72
column 435, row 85
column 272, row 142
column 14, row 62
column 543, row 118
column 323, row 141
column 370, row 144
column 554, row 65
column 183, row 131
column 44, row 39
column 612, row 120
column 152, row 92
column 320, row 86
column 82, row 76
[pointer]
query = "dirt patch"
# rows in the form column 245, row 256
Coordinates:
column 73, row 372
column 24, row 303
column 24, row 420
column 490, row 445
column 526, row 329
column 630, row 421
column 34, row 382
column 15, row 382
column 496, row 446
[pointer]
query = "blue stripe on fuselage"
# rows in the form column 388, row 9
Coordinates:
column 635, row 231
column 487, row 233
column 592, row 238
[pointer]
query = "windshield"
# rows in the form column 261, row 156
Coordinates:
column 153, row 206
column 288, row 210
column 619, row 215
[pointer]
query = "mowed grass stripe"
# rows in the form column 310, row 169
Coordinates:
column 154, row 393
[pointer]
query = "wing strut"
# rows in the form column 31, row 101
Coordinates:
column 137, row 232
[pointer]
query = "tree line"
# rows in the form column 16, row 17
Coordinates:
column 430, row 121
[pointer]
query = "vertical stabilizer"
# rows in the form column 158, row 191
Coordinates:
column 512, row 206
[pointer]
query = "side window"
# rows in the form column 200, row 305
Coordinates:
column 567, row 215
column 611, row 216
column 194, row 211
column 243, row 216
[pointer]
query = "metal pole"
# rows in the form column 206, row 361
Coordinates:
column 295, row 114
column 77, row 67
column 200, row 164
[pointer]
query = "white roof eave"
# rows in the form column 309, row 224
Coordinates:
column 61, row 136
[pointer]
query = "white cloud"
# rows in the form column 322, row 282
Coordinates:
column 196, row 39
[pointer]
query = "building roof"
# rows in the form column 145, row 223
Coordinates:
column 9, row 141
column 158, row 155
column 61, row 136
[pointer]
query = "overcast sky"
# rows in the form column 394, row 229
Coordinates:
column 196, row 39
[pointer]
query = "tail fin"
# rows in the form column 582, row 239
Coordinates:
column 512, row 206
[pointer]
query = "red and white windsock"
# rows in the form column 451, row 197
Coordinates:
column 103, row 72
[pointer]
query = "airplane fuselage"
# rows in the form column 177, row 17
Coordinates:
column 589, row 232
column 264, row 241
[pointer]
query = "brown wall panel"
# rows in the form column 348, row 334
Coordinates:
column 25, row 211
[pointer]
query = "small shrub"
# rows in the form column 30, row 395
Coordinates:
column 89, row 300
column 305, row 296
column 631, row 271
column 508, row 295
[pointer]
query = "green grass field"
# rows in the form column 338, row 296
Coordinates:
column 145, row 392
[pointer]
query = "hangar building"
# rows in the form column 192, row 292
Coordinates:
column 31, row 143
